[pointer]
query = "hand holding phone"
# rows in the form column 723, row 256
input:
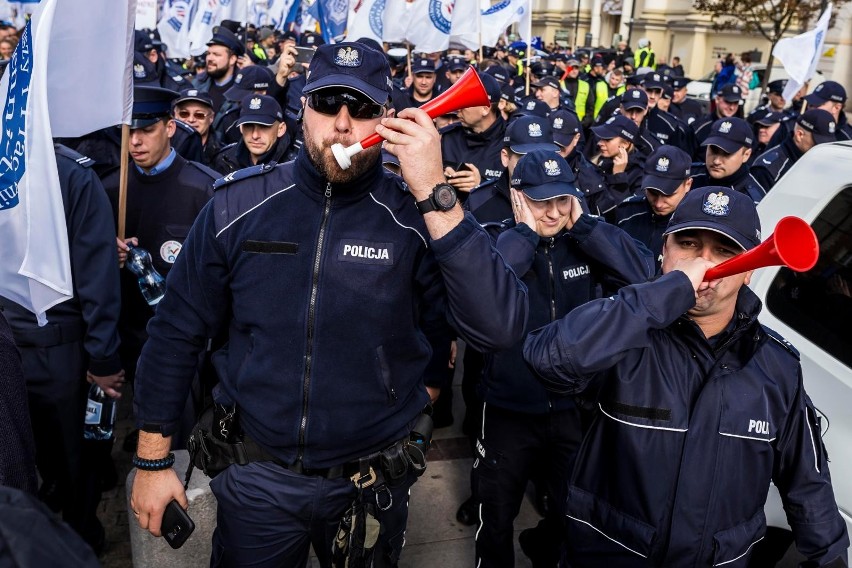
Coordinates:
column 304, row 54
column 177, row 525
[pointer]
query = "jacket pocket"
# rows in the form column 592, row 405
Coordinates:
column 618, row 528
column 385, row 375
column 732, row 547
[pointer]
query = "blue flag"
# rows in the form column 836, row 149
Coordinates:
column 332, row 16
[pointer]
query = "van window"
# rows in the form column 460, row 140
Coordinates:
column 818, row 303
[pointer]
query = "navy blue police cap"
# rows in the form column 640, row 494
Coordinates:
column 492, row 87
column 544, row 175
column 311, row 39
column 719, row 209
column 653, row 81
column 680, row 82
column 730, row 134
column 617, row 125
column 194, row 95
column 548, row 81
column 248, row 80
column 456, row 63
column 827, row 91
column 768, row 118
column 259, row 109
column 731, row 93
column 499, row 73
column 422, row 65
column 350, row 65
column 776, row 86
column 634, row 98
column 820, row 123
column 144, row 72
column 532, row 106
column 565, row 125
column 528, row 133
column 225, row 37
column 151, row 104
column 665, row 169
column 142, row 42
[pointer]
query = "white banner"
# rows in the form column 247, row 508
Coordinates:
column 429, row 26
column 466, row 23
column 146, row 14
column 500, row 16
column 800, row 54
column 174, row 26
column 36, row 270
column 366, row 19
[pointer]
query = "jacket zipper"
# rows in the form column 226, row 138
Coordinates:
column 552, row 279
column 311, row 317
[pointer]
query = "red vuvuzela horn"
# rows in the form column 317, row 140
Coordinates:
column 468, row 91
column 793, row 244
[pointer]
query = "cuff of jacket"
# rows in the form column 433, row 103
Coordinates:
column 528, row 233
column 104, row 367
column 448, row 244
column 583, row 227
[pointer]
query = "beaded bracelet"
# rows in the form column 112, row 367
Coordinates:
column 154, row 465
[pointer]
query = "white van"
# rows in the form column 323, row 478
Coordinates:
column 813, row 310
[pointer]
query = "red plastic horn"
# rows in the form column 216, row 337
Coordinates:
column 793, row 244
column 468, row 91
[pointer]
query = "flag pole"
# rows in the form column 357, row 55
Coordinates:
column 122, row 180
column 408, row 59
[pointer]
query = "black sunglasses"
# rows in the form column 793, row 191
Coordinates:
column 358, row 108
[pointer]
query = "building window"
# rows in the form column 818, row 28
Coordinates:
column 818, row 303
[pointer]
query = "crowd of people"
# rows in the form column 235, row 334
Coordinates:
column 562, row 232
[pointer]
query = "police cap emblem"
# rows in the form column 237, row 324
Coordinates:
column 347, row 57
column 139, row 71
column 254, row 104
column 534, row 130
column 716, row 204
column 663, row 164
column 530, row 105
column 725, row 127
column 551, row 168
column 557, row 123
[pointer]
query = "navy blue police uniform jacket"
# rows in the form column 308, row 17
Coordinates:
column 327, row 292
column 741, row 180
column 771, row 165
column 482, row 149
column 561, row 272
column 637, row 218
column 676, row 466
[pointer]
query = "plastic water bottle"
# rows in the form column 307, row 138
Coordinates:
column 151, row 283
column 100, row 415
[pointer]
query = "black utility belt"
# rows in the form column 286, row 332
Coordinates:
column 211, row 451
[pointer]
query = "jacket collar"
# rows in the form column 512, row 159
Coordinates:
column 314, row 183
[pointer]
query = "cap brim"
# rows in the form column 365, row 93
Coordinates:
column 741, row 240
column 342, row 81
column 255, row 119
column 729, row 146
column 604, row 132
column 191, row 99
column 527, row 148
column 814, row 99
column 732, row 99
column 653, row 85
column 666, row 186
column 551, row 190
column 564, row 139
column 634, row 104
column 143, row 122
column 823, row 138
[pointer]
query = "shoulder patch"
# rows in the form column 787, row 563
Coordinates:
column 67, row 152
column 776, row 337
column 245, row 173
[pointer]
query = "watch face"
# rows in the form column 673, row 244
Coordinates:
column 445, row 197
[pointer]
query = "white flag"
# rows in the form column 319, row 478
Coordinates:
column 500, row 16
column 174, row 26
column 278, row 12
column 36, row 269
column 210, row 14
column 366, row 19
column 800, row 54
column 430, row 23
column 395, row 21
column 466, row 22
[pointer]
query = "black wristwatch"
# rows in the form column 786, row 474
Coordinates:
column 443, row 198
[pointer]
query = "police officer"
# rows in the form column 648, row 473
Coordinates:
column 548, row 90
column 195, row 108
column 422, row 89
column 815, row 126
column 728, row 103
column 727, row 150
column 775, row 101
column 165, row 192
column 80, row 342
column 769, row 130
column 564, row 256
column 618, row 160
column 320, row 404
column 666, row 181
column 831, row 96
column 455, row 68
column 254, row 79
column 264, row 136
column 687, row 379
column 660, row 124
column 567, row 135
column 686, row 109
column 471, row 147
column 634, row 105
column 223, row 51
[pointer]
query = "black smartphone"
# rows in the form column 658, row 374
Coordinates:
column 177, row 525
column 304, row 55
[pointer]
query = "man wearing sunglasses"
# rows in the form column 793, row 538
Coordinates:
column 334, row 287
column 195, row 108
